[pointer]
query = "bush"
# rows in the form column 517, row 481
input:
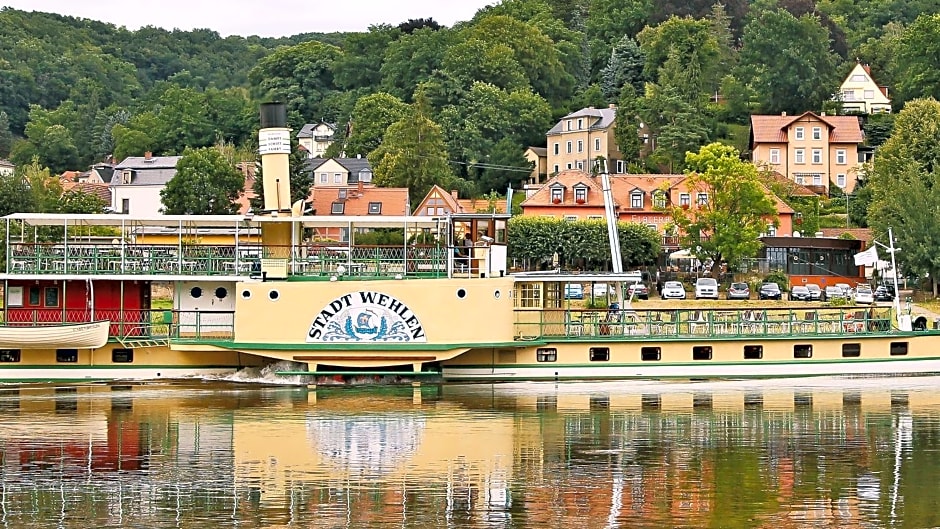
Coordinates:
column 778, row 277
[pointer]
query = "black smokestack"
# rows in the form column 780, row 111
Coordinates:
column 273, row 115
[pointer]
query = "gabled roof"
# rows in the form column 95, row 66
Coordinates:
column 793, row 189
column 539, row 151
column 307, row 130
column 773, row 129
column 6, row 163
column 567, row 179
column 863, row 234
column 598, row 118
column 153, row 162
column 394, row 200
column 99, row 190
column 353, row 165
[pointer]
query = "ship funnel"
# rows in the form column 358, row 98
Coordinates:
column 274, row 148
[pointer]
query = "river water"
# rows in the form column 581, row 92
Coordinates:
column 785, row 453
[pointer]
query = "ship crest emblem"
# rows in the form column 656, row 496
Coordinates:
column 366, row 317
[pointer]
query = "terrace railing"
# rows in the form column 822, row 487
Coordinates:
column 313, row 260
column 697, row 324
column 130, row 325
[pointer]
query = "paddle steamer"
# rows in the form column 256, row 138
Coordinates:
column 262, row 290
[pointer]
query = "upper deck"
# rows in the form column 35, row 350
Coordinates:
column 231, row 246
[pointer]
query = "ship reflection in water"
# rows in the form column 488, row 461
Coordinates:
column 804, row 453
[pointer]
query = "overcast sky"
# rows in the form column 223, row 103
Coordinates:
column 267, row 18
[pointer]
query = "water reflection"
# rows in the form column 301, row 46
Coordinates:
column 815, row 452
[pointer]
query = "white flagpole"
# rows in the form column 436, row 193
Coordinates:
column 903, row 323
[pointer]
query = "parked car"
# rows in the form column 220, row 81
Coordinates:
column 864, row 295
column 673, row 290
column 770, row 291
column 815, row 293
column 574, row 291
column 834, row 292
column 600, row 290
column 800, row 293
column 847, row 289
column 884, row 293
column 706, row 287
column 638, row 290
column 738, row 291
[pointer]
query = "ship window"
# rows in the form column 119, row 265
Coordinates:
column 51, row 297
column 898, row 348
column 546, row 354
column 702, row 352
column 122, row 356
column 599, row 354
column 34, row 293
column 802, row 399
column 650, row 354
column 651, row 401
column 66, row 355
column 221, row 292
column 8, row 356
column 851, row 350
column 753, row 352
column 803, row 350
column 196, row 292
column 273, row 295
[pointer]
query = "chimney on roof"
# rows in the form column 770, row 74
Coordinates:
column 783, row 113
column 453, row 193
column 359, row 187
column 148, row 155
column 358, row 156
column 612, row 105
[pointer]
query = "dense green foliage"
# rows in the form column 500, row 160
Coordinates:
column 205, row 184
column 580, row 244
column 73, row 91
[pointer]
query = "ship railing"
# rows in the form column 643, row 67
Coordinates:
column 153, row 323
column 315, row 260
column 690, row 323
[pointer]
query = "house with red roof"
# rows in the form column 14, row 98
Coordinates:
column 813, row 150
column 638, row 198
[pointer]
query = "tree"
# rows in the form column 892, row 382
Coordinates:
column 627, row 125
column 413, row 155
column 410, row 60
column 624, row 67
column 6, row 136
column 905, row 187
column 204, row 184
column 371, row 116
column 300, row 76
column 77, row 201
column 15, row 195
column 918, row 58
column 788, row 62
column 360, row 64
column 728, row 225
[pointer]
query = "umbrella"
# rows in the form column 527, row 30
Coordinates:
column 681, row 254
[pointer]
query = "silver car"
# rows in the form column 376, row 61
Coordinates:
column 673, row 290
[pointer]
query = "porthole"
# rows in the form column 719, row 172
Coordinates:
column 195, row 292
column 273, row 295
column 246, row 294
column 497, row 294
column 221, row 292
column 461, row 293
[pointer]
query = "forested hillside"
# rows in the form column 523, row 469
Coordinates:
column 73, row 91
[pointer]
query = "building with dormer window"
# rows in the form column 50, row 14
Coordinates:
column 137, row 181
column 316, row 138
column 579, row 138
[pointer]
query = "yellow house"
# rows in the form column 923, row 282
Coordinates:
column 581, row 137
column 811, row 149
column 860, row 93
column 538, row 157
column 340, row 172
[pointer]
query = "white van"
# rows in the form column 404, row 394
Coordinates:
column 706, row 287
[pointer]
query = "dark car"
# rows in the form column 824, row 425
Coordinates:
column 884, row 293
column 815, row 293
column 800, row 293
column 639, row 290
column 770, row 291
column 738, row 291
